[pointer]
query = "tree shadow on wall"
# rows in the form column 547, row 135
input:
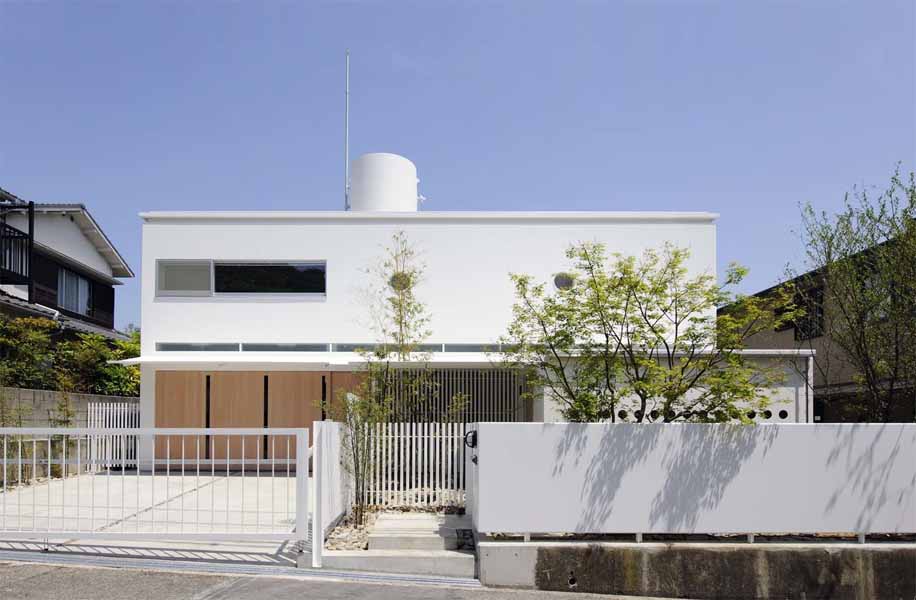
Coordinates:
column 868, row 476
column 700, row 464
column 622, row 447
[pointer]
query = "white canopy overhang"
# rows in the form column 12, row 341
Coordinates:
column 298, row 361
column 349, row 361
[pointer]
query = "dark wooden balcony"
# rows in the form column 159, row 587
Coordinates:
column 15, row 255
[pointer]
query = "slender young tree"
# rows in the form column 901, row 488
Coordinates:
column 400, row 322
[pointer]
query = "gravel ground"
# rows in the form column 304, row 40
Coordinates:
column 347, row 536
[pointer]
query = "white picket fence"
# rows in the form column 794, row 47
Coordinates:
column 416, row 464
column 107, row 451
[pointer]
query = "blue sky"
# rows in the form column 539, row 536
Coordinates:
column 743, row 108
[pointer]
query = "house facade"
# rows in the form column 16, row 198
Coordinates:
column 57, row 263
column 254, row 318
column 837, row 388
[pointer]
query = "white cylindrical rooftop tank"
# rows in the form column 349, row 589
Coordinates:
column 380, row 181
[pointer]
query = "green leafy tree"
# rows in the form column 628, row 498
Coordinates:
column 639, row 339
column 27, row 352
column 859, row 283
column 84, row 365
column 125, row 379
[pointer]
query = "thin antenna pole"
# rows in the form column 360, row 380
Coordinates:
column 347, row 138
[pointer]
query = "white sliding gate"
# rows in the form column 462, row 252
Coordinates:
column 171, row 484
column 416, row 464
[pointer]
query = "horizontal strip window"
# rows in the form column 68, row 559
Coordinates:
column 269, row 278
column 285, row 347
column 209, row 278
column 192, row 347
column 471, row 347
column 375, row 347
column 354, row 347
column 309, row 347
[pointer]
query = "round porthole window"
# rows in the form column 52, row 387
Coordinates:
column 751, row 414
column 768, row 414
column 783, row 414
column 621, row 414
column 399, row 281
column 564, row 281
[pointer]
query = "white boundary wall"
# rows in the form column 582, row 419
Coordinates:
column 693, row 478
column 333, row 487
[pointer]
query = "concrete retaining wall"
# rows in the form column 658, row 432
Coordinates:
column 38, row 405
column 705, row 571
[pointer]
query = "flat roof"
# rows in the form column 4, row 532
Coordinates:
column 434, row 216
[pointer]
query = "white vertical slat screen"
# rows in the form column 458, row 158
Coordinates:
column 490, row 395
column 416, row 464
column 107, row 450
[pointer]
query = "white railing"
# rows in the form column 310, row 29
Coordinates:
column 175, row 484
column 104, row 451
column 416, row 464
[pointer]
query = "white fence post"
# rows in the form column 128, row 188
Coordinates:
column 302, row 485
column 317, row 525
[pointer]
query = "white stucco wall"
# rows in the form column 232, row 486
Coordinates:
column 686, row 478
column 60, row 233
column 468, row 258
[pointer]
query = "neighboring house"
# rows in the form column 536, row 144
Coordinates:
column 836, row 391
column 252, row 319
column 57, row 263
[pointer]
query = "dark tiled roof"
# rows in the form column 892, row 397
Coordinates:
column 87, row 224
column 66, row 322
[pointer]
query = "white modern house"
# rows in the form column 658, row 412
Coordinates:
column 251, row 319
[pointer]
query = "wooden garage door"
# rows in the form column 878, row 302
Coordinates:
column 180, row 402
column 341, row 383
column 293, row 400
column 237, row 400
column 249, row 399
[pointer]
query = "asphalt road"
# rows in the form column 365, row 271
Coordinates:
column 54, row 582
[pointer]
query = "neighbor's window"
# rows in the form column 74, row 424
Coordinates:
column 73, row 292
column 270, row 278
column 811, row 324
column 183, row 278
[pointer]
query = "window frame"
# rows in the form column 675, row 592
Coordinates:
column 214, row 262
column 811, row 326
column 212, row 293
column 160, row 293
column 61, row 275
